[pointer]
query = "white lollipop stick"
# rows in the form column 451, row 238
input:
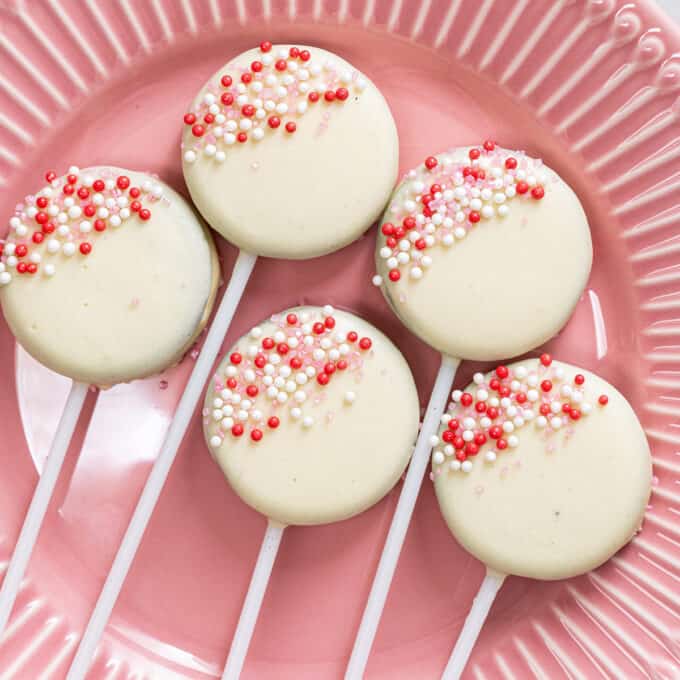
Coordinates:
column 401, row 520
column 253, row 601
column 41, row 499
column 159, row 473
column 473, row 624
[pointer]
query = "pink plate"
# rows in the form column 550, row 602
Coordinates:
column 589, row 85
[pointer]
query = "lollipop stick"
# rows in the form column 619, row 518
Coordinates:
column 41, row 499
column 400, row 521
column 152, row 490
column 253, row 601
column 473, row 624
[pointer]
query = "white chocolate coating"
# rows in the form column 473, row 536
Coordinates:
column 343, row 463
column 507, row 286
column 552, row 514
column 130, row 308
column 304, row 194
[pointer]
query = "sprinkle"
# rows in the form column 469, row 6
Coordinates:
column 475, row 420
column 287, row 81
column 455, row 197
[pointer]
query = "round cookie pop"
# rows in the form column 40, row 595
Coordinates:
column 290, row 151
column 483, row 253
column 542, row 470
column 89, row 266
column 291, row 419
column 86, row 272
column 287, row 152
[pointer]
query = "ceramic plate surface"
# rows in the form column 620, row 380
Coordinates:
column 591, row 86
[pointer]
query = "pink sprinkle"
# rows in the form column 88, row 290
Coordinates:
column 194, row 354
column 134, row 302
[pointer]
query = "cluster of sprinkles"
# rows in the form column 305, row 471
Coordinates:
column 63, row 217
column 504, row 403
column 271, row 92
column 282, row 373
column 445, row 198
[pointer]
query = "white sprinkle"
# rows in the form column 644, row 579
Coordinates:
column 466, row 466
column 437, row 457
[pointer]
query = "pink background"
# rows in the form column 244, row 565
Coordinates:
column 114, row 93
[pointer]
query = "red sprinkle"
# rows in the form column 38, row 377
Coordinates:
column 273, row 422
column 256, row 435
column 265, row 46
column 226, row 81
column 365, row 343
column 603, row 400
column 235, row 358
column 546, row 359
column 85, row 248
column 237, row 430
column 291, row 127
column 431, row 162
column 546, row 386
